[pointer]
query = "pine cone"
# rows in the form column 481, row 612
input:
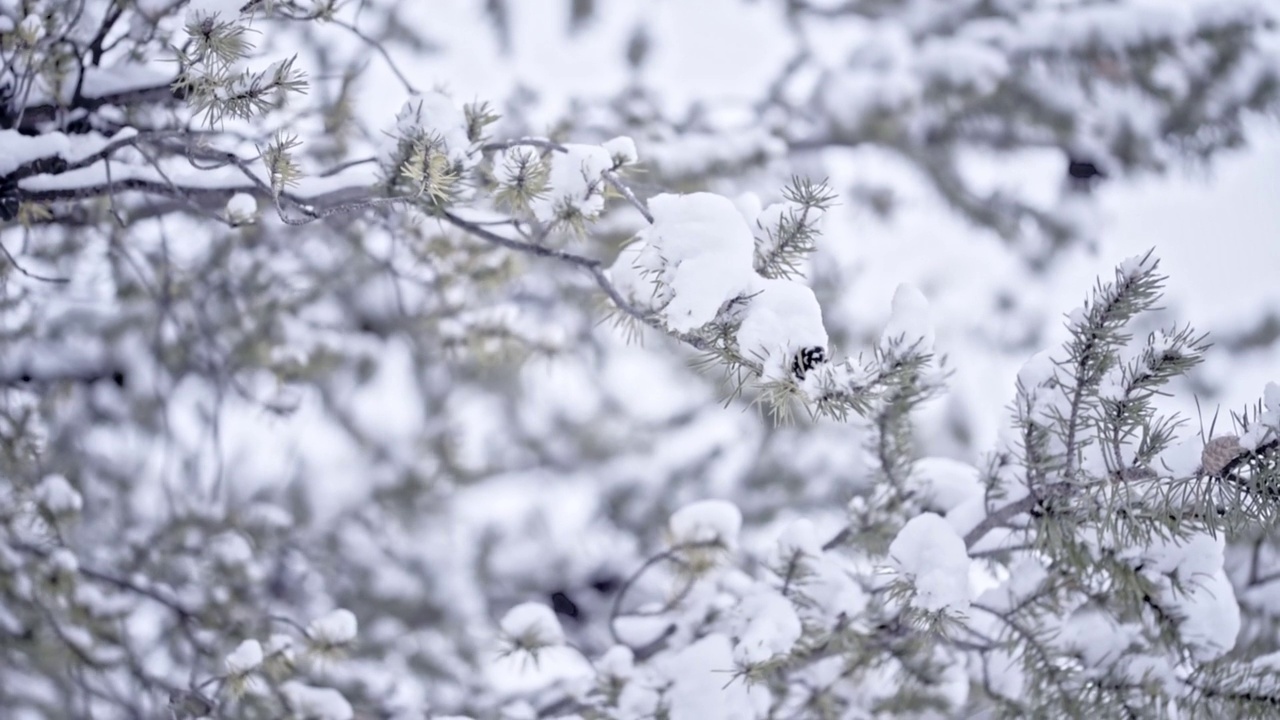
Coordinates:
column 1219, row 452
column 806, row 360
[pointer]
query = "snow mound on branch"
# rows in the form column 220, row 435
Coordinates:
column 768, row 627
column 782, row 318
column 245, row 658
column 337, row 627
column 435, row 115
column 698, row 256
column 706, row 251
column 1182, row 459
column 532, row 625
column 242, row 207
column 1267, row 425
column 622, row 149
column 697, row 687
column 575, row 182
column 945, row 484
column 56, row 495
column 706, row 521
column 1195, row 589
column 932, row 556
column 316, row 703
column 909, row 323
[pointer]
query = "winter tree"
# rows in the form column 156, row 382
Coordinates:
column 334, row 389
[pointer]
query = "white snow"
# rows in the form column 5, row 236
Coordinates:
column 932, row 556
column 532, row 625
column 436, row 115
column 1202, row 598
column 945, row 484
column 767, row 627
column 246, row 658
column 909, row 323
column 336, row 627
column 707, row 248
column 800, row 538
column 242, row 207
column 691, row 152
column 706, row 521
column 575, row 182
column 222, row 10
column 782, row 318
column 1135, row 266
column 65, row 561
column 32, row 28
column 623, row 150
column 1097, row 638
column 231, row 549
column 1271, row 401
column 617, row 663
column 56, row 495
column 699, row 687
column 316, row 703
column 1182, row 459
column 280, row 645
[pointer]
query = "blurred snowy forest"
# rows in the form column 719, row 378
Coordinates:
column 353, row 361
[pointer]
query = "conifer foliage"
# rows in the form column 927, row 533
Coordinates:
column 307, row 411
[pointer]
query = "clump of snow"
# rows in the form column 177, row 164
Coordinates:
column 231, row 549
column 532, row 625
column 1194, row 588
column 1271, row 399
column 706, row 248
column 434, row 115
column 336, row 627
column 64, row 561
column 57, row 497
column 697, row 257
column 696, row 687
column 748, row 203
column 1134, row 267
column 932, row 556
column 32, row 28
column 1182, row 459
column 782, row 318
column 945, row 484
column 575, row 183
column 829, row 589
column 1267, row 425
column 799, row 539
column 242, row 208
column 280, row 645
column 623, row 150
column 909, row 323
column 1036, row 382
column 246, row 658
column 316, row 703
column 618, row 663
column 1097, row 638
column 706, row 521
column 768, row 627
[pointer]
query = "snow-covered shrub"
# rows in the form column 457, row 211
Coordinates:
column 305, row 413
